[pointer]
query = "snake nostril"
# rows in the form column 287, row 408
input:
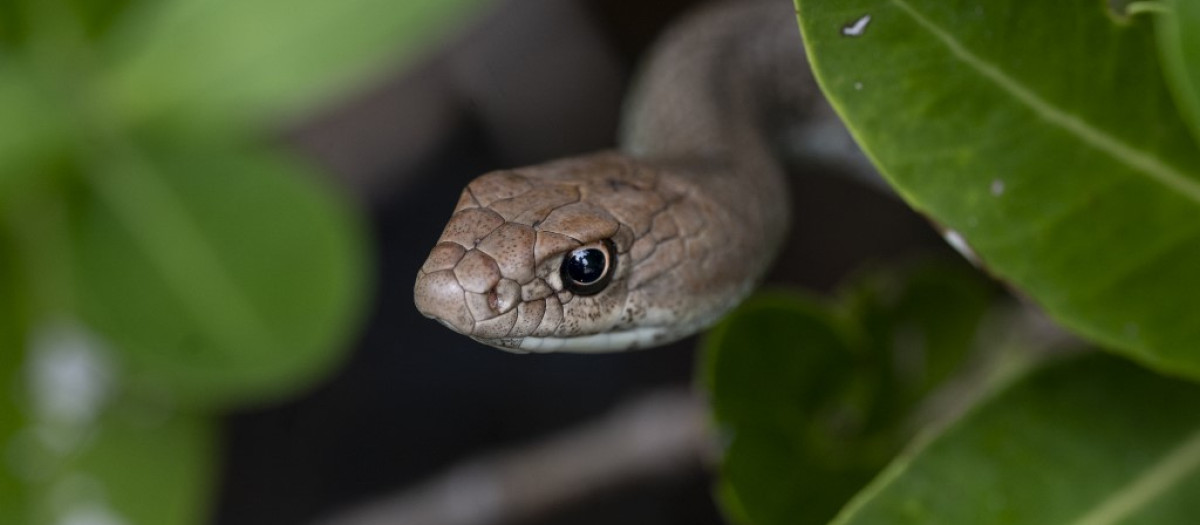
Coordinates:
column 503, row 297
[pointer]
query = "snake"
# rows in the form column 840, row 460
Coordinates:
column 660, row 238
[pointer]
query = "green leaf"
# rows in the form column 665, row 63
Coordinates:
column 93, row 17
column 38, row 137
column 218, row 276
column 1179, row 44
column 12, row 28
column 920, row 323
column 815, row 399
column 251, row 62
column 155, row 468
column 134, row 465
column 1093, row 440
column 777, row 370
column 12, row 350
column 1043, row 134
column 77, row 451
column 97, row 16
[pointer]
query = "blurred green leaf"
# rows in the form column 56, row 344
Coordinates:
column 816, row 399
column 920, row 322
column 220, row 275
column 94, row 17
column 253, row 62
column 1179, row 45
column 153, row 265
column 1043, row 134
column 778, row 370
column 1089, row 441
column 133, row 465
column 97, row 16
column 737, row 356
column 156, row 468
column 77, row 451
column 12, row 26
column 12, row 350
column 33, row 134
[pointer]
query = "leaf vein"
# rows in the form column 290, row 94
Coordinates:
column 1132, row 157
column 1152, row 483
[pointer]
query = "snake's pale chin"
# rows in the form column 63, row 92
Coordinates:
column 643, row 337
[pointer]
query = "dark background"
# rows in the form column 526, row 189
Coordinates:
column 525, row 82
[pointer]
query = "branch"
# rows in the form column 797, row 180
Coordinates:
column 660, row 434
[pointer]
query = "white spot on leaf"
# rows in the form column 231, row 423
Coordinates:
column 956, row 241
column 857, row 27
column 997, row 187
column 858, row 86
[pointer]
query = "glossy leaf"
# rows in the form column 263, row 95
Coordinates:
column 219, row 276
column 252, row 62
column 1093, row 440
column 777, row 370
column 1043, row 134
column 1179, row 43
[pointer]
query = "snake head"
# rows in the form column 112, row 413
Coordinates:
column 573, row 255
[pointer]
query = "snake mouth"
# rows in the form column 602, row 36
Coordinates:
column 633, row 339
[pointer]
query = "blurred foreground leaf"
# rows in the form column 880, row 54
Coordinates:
column 255, row 62
column 1093, row 440
column 40, row 134
column 1044, row 135
column 81, row 451
column 219, row 275
column 12, row 343
column 156, row 262
column 171, row 456
column 133, row 466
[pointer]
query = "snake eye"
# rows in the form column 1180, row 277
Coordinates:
column 587, row 270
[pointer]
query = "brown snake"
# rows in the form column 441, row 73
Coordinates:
column 641, row 247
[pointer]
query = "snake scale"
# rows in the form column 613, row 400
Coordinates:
column 643, row 246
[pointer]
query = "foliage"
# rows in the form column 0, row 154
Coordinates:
column 158, row 259
column 1060, row 446
column 1059, row 140
column 813, row 398
column 1066, row 167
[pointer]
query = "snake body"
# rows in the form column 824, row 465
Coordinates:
column 676, row 228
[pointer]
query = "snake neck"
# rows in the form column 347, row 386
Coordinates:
column 722, row 85
column 718, row 93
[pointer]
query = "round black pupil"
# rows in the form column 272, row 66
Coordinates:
column 585, row 266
